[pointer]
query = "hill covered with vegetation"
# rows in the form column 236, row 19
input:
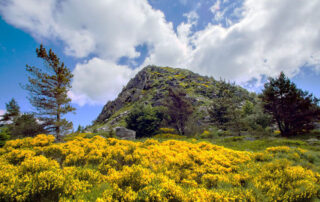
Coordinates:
column 151, row 86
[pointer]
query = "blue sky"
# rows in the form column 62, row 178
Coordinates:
column 105, row 43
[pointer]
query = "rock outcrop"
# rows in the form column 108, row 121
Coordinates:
column 125, row 134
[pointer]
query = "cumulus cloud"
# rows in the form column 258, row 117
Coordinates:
column 243, row 41
column 109, row 29
column 97, row 81
column 271, row 36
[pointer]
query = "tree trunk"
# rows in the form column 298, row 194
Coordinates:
column 58, row 135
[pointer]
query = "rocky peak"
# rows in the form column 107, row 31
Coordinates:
column 151, row 85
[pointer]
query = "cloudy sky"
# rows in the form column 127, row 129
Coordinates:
column 105, row 42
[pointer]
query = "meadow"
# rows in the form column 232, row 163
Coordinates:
column 108, row 169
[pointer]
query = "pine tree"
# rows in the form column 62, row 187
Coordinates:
column 179, row 108
column 292, row 109
column 25, row 125
column 225, row 109
column 48, row 91
column 12, row 110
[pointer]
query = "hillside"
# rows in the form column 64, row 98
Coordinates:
column 151, row 85
column 99, row 169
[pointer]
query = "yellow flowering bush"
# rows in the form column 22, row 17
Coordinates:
column 168, row 136
column 99, row 169
column 167, row 130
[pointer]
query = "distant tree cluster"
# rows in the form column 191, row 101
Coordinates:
column 17, row 125
column 294, row 111
column 231, row 111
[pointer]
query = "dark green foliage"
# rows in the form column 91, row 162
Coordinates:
column 145, row 120
column 25, row 125
column 48, row 91
column 4, row 135
column 253, row 116
column 179, row 108
column 80, row 129
column 12, row 110
column 234, row 110
column 247, row 108
column 17, row 125
column 292, row 109
column 225, row 110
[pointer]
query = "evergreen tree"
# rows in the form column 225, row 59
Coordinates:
column 4, row 135
column 25, row 125
column 225, row 109
column 80, row 129
column 292, row 109
column 48, row 91
column 179, row 108
column 12, row 110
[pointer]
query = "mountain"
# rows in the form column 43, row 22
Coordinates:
column 151, row 85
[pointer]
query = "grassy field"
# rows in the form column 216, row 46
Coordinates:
column 162, row 169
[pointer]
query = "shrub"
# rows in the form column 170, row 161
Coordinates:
column 167, row 130
column 168, row 136
column 145, row 120
column 119, row 170
column 4, row 135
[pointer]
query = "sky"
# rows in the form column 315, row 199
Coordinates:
column 106, row 42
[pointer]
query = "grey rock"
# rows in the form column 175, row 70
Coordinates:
column 125, row 134
column 313, row 141
column 250, row 138
column 317, row 125
column 103, row 129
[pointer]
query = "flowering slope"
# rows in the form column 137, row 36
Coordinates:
column 99, row 169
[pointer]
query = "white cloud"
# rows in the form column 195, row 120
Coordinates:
column 97, row 81
column 184, row 29
column 109, row 29
column 269, row 36
column 2, row 112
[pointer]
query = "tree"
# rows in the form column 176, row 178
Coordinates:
column 225, row 110
column 253, row 116
column 292, row 109
column 80, row 129
column 12, row 110
column 145, row 120
column 48, row 91
column 4, row 135
column 25, row 125
column 179, row 108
